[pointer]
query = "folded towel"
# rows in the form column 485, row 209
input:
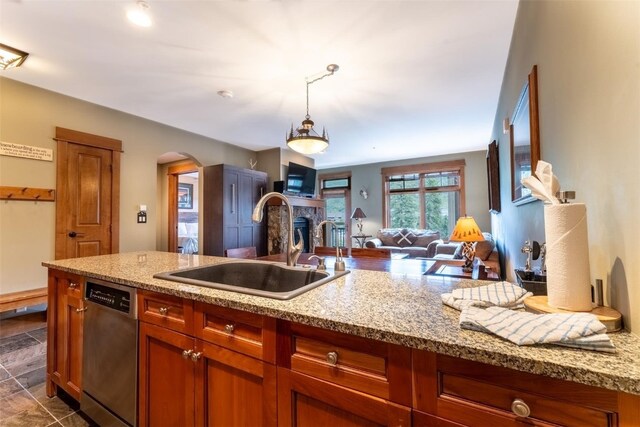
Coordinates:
column 579, row 330
column 501, row 294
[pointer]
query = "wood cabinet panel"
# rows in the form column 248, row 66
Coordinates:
column 373, row 367
column 229, row 196
column 307, row 401
column 65, row 333
column 233, row 389
column 168, row 311
column 166, row 382
column 248, row 333
column 472, row 393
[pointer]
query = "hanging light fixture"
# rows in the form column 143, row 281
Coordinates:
column 11, row 57
column 305, row 139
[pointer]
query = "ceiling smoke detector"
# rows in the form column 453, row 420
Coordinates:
column 225, row 94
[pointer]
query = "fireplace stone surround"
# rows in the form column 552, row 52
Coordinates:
column 278, row 223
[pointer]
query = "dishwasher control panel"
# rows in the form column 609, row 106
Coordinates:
column 118, row 298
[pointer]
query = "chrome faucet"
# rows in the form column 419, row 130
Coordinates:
column 527, row 249
column 319, row 229
column 293, row 249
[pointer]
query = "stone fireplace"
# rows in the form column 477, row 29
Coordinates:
column 278, row 224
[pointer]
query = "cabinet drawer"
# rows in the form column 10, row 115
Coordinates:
column 169, row 311
column 473, row 393
column 248, row 333
column 370, row 366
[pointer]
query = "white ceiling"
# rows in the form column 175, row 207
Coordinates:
column 417, row 78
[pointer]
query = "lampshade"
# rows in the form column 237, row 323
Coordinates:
column 466, row 230
column 358, row 214
column 10, row 57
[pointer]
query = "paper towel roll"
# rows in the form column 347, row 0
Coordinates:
column 568, row 272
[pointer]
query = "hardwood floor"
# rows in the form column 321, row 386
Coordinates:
column 23, row 401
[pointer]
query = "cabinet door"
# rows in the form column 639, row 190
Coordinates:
column 234, row 389
column 307, row 401
column 64, row 345
column 165, row 377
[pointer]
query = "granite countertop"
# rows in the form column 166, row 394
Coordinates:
column 403, row 309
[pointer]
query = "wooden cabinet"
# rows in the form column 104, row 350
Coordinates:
column 229, row 196
column 186, row 381
column 330, row 378
column 450, row 391
column 64, row 336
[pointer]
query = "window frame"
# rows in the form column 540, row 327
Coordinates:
column 422, row 170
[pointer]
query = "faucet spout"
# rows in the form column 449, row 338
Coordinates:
column 293, row 250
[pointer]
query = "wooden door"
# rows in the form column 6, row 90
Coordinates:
column 306, row 401
column 233, row 389
column 65, row 335
column 173, row 174
column 87, row 181
column 231, row 209
column 165, row 378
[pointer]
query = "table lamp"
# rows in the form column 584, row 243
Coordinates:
column 358, row 215
column 468, row 232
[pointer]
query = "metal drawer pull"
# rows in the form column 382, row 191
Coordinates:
column 520, row 408
column 229, row 328
column 80, row 310
column 187, row 353
column 332, row 358
column 73, row 285
column 196, row 356
column 163, row 310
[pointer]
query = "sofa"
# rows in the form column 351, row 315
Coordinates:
column 486, row 251
column 412, row 241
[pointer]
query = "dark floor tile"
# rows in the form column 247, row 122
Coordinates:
column 39, row 334
column 32, row 378
column 24, row 360
column 38, row 391
column 33, row 417
column 16, row 342
column 57, row 407
column 75, row 420
column 9, row 387
column 17, row 403
column 4, row 374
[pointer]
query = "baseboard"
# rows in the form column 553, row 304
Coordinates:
column 21, row 299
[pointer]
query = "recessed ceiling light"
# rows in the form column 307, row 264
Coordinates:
column 225, row 93
column 139, row 15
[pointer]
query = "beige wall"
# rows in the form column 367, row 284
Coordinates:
column 587, row 54
column 368, row 176
column 29, row 115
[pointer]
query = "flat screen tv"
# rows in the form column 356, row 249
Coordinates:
column 301, row 180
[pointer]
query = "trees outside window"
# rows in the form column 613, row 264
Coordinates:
column 427, row 196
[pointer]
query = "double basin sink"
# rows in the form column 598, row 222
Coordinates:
column 254, row 277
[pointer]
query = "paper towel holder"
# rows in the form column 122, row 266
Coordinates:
column 565, row 196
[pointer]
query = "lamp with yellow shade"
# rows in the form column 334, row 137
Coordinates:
column 467, row 232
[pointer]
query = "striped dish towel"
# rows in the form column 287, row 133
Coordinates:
column 579, row 330
column 501, row 294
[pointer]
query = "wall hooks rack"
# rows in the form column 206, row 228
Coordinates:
column 27, row 193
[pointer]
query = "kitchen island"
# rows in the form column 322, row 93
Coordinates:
column 402, row 310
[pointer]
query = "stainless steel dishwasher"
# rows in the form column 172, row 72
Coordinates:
column 110, row 354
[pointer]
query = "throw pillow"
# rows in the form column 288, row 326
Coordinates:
column 484, row 248
column 404, row 238
column 458, row 253
column 386, row 236
column 424, row 239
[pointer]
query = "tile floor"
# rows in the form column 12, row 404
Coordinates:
column 23, row 401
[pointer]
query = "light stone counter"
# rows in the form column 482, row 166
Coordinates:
column 397, row 308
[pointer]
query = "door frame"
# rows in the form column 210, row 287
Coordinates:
column 346, row 193
column 172, row 193
column 63, row 138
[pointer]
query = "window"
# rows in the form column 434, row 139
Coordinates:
column 428, row 196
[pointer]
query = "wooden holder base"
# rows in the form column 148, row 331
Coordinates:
column 609, row 317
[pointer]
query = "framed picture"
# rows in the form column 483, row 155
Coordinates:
column 525, row 139
column 493, row 177
column 185, row 196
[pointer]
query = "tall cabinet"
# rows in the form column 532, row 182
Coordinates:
column 230, row 194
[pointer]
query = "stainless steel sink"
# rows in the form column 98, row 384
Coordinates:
column 254, row 277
